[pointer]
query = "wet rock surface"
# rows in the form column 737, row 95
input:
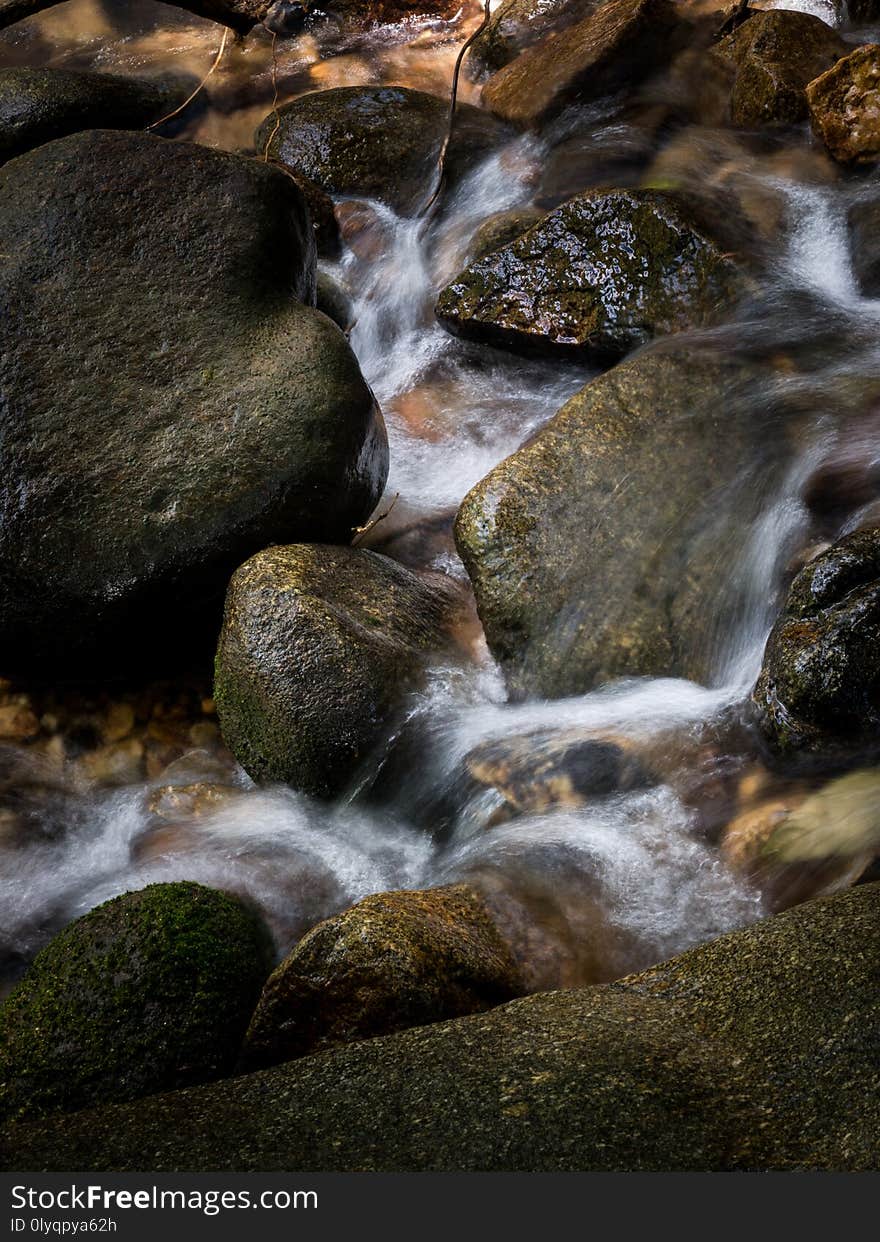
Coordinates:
column 752, row 1052
column 378, row 142
column 37, row 105
column 149, row 991
column 844, row 106
column 817, row 696
column 393, row 961
column 231, row 412
column 574, row 582
column 599, row 275
column 318, row 649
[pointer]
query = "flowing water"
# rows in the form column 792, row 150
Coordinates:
column 597, row 888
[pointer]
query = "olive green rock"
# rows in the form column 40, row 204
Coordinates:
column 599, row 275
column 37, row 105
column 844, row 106
column 150, row 991
column 601, row 548
column 171, row 401
column 756, row 1051
column 776, row 54
column 612, row 47
column 392, row 961
column 318, row 648
column 818, row 695
column 378, row 142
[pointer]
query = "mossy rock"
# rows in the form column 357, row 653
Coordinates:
column 150, row 991
column 38, row 105
column 776, row 54
column 318, row 648
column 601, row 274
column 392, row 961
column 379, row 142
column 171, row 400
column 600, row 549
column 818, row 696
column 757, row 1051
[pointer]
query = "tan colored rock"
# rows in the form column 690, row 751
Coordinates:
column 392, row 961
column 845, row 106
column 617, row 44
column 18, row 722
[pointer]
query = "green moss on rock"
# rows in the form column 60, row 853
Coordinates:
column 149, row 991
column 757, row 1051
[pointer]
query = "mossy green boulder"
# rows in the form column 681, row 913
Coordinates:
column 757, row 1051
column 601, row 274
column 602, row 547
column 170, row 400
column 776, row 54
column 150, row 991
column 38, row 105
column 318, row 648
column 379, row 142
column 392, row 961
column 818, row 695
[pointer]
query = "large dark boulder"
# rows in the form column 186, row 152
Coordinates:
column 149, row 991
column 518, row 24
column 170, row 403
column 776, row 54
column 612, row 47
column 318, row 648
column 393, row 961
column 601, row 548
column 601, row 274
column 378, row 142
column 818, row 695
column 38, row 105
column 757, row 1051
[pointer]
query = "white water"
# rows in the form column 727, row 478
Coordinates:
column 641, row 859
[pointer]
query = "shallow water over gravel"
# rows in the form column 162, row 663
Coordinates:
column 643, row 866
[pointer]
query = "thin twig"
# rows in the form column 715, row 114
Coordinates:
column 199, row 88
column 441, row 160
column 275, row 112
column 360, row 531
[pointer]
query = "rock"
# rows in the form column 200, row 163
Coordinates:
column 381, row 12
column 149, row 991
column 535, row 772
column 318, row 649
column 601, row 274
column 195, row 801
column 518, row 24
column 231, row 414
column 776, row 54
column 335, row 301
column 322, row 214
column 864, row 230
column 239, row 15
column 37, row 105
column 754, row 1052
column 378, row 142
column 502, row 229
column 818, row 695
column 393, row 961
column 18, row 723
column 863, row 10
column 575, row 544
column 844, row 106
column 616, row 45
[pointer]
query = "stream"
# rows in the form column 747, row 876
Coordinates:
column 600, row 887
